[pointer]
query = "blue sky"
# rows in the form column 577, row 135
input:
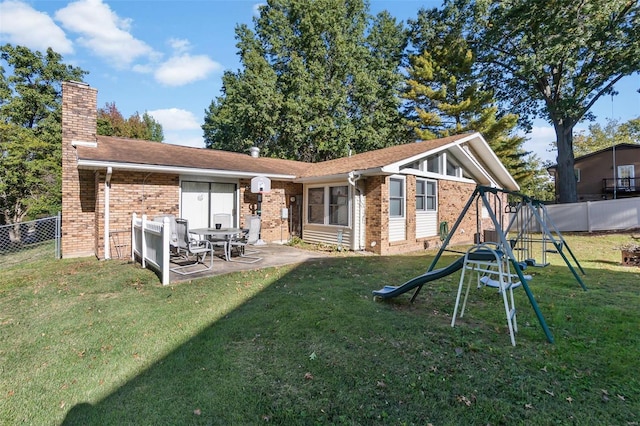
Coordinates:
column 167, row 57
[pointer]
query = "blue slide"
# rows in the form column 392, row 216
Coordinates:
column 389, row 291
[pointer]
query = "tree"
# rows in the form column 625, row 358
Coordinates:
column 30, row 131
column 110, row 122
column 554, row 59
column 445, row 94
column 319, row 80
column 599, row 137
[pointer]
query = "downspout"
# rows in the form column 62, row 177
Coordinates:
column 107, row 187
column 353, row 179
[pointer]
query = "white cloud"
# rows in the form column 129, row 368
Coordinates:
column 175, row 119
column 185, row 69
column 540, row 142
column 179, row 45
column 185, row 138
column 103, row 32
column 22, row 25
column 257, row 7
column 179, row 126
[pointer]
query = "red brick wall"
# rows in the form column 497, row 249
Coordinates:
column 79, row 112
column 452, row 197
column 273, row 227
column 152, row 194
column 377, row 208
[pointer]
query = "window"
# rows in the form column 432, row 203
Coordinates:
column 426, row 197
column 433, row 164
column 626, row 176
column 316, row 205
column 577, row 173
column 338, row 205
column 453, row 169
column 333, row 212
column 396, row 197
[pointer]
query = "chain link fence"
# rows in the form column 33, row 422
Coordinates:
column 27, row 241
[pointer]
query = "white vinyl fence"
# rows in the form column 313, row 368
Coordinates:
column 592, row 216
column 150, row 245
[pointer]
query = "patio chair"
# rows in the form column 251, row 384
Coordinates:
column 187, row 246
column 248, row 238
column 224, row 220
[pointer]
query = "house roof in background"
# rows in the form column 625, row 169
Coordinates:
column 620, row 146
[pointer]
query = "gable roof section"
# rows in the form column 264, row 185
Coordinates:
column 373, row 162
column 470, row 150
column 140, row 155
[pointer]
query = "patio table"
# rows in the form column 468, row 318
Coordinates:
column 223, row 234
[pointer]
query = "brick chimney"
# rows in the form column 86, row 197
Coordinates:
column 79, row 117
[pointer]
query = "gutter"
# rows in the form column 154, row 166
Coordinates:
column 353, row 181
column 107, row 195
column 154, row 168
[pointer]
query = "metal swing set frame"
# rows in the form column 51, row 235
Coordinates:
column 525, row 214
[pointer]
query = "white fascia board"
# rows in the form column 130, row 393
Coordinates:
column 435, row 176
column 90, row 144
column 153, row 168
column 473, row 166
column 341, row 176
column 325, row 178
column 497, row 169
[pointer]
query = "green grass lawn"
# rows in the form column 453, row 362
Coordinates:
column 101, row 342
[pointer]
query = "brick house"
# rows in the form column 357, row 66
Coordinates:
column 595, row 173
column 390, row 200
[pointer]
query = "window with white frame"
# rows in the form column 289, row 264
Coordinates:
column 328, row 205
column 433, row 164
column 338, row 205
column 426, row 195
column 396, row 197
column 453, row 169
column 315, row 197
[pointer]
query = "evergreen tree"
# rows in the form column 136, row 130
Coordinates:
column 445, row 94
column 320, row 79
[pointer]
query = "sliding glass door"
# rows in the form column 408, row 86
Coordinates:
column 201, row 200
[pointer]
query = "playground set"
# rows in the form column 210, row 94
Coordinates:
column 524, row 242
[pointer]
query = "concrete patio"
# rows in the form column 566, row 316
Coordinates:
column 271, row 254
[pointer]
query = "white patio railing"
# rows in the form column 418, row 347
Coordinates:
column 150, row 245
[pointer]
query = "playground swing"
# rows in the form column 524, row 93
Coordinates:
column 514, row 276
column 531, row 216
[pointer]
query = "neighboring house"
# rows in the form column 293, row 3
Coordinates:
column 386, row 201
column 606, row 174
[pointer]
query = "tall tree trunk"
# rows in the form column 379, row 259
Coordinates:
column 565, row 174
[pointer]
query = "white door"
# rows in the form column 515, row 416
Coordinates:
column 195, row 204
column 626, row 177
